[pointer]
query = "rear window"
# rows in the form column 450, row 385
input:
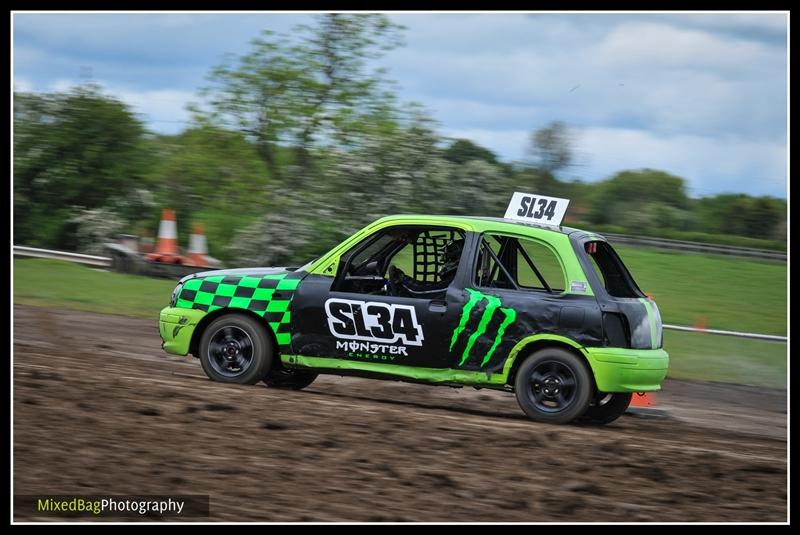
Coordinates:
column 616, row 278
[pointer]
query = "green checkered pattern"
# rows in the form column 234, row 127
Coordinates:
column 268, row 296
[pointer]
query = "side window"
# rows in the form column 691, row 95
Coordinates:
column 493, row 270
column 544, row 260
column 518, row 263
column 403, row 261
column 426, row 266
column 429, row 257
column 361, row 258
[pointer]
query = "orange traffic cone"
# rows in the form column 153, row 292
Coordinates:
column 197, row 247
column 643, row 399
column 167, row 246
column 701, row 323
column 643, row 404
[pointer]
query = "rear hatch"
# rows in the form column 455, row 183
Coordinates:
column 630, row 317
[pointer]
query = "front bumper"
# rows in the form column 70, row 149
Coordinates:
column 176, row 327
column 627, row 370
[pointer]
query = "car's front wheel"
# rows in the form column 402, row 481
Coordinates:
column 236, row 349
column 553, row 385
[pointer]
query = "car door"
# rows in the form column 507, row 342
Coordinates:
column 518, row 289
column 355, row 316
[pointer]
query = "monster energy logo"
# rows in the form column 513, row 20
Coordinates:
column 492, row 304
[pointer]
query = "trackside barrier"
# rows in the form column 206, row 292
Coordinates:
column 756, row 336
column 695, row 247
column 89, row 260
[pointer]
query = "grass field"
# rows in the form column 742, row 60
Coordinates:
column 732, row 293
column 66, row 285
column 724, row 358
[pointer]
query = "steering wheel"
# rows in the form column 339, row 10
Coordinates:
column 394, row 279
column 397, row 282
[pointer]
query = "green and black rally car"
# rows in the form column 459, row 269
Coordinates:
column 518, row 304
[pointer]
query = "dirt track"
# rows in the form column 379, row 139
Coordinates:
column 100, row 409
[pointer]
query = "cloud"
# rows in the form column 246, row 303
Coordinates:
column 174, row 39
column 137, row 50
column 708, row 164
column 162, row 110
column 764, row 27
column 631, row 74
column 659, row 44
column 708, row 89
column 23, row 85
column 466, row 113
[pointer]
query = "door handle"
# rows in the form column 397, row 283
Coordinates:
column 438, row 306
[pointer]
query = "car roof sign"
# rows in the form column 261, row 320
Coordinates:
column 539, row 209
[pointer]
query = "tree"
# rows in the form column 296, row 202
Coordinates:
column 551, row 147
column 463, row 150
column 204, row 166
column 737, row 213
column 95, row 227
column 743, row 215
column 307, row 91
column 79, row 149
column 539, row 181
column 764, row 216
column 212, row 176
column 275, row 239
column 399, row 170
column 631, row 191
column 477, row 188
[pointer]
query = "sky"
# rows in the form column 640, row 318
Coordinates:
column 702, row 96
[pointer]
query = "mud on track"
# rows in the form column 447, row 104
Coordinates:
column 99, row 408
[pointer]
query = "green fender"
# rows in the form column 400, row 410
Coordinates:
column 614, row 369
column 515, row 351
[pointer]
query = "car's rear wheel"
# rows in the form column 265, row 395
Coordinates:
column 607, row 408
column 553, row 385
column 291, row 379
column 236, row 349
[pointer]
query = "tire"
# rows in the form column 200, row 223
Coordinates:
column 553, row 385
column 291, row 379
column 236, row 349
column 607, row 408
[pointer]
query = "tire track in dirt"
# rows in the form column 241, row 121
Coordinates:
column 125, row 418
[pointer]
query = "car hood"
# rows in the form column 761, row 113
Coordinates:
column 254, row 271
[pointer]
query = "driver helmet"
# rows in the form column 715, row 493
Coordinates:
column 450, row 255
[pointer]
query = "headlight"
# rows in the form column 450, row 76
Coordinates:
column 174, row 299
